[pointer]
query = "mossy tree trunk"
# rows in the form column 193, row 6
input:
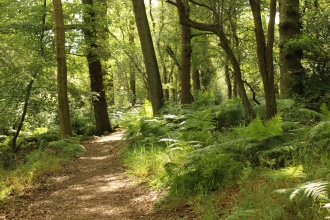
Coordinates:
column 291, row 70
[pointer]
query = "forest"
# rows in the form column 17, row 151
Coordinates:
column 224, row 105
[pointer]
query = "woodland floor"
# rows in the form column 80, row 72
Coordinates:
column 95, row 186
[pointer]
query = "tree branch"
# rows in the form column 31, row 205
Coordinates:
column 253, row 92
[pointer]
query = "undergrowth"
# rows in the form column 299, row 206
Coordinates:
column 204, row 154
column 44, row 155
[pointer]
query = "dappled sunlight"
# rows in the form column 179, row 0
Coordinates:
column 60, row 178
column 93, row 187
column 117, row 136
column 95, row 158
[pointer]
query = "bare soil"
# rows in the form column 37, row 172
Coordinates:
column 95, row 186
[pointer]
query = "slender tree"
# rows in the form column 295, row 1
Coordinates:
column 96, row 70
column 63, row 102
column 30, row 84
column 149, row 56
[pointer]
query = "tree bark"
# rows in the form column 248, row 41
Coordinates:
column 63, row 102
column 291, row 70
column 196, row 82
column 228, row 82
column 149, row 56
column 132, row 77
column 96, row 71
column 186, row 97
column 265, row 54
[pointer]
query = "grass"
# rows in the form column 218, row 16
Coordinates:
column 146, row 163
column 251, row 197
column 21, row 177
column 20, row 170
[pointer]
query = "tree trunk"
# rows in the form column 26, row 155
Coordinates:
column 186, row 97
column 196, row 82
column 290, row 58
column 228, row 82
column 265, row 54
column 166, row 81
column 96, row 72
column 63, row 103
column 149, row 56
column 132, row 78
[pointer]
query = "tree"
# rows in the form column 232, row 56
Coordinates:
column 96, row 71
column 30, row 84
column 218, row 29
column 63, row 102
column 292, row 71
column 149, row 56
column 265, row 54
column 186, row 50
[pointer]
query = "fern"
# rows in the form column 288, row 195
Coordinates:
column 310, row 113
column 320, row 131
column 260, row 131
column 287, row 173
column 201, row 120
column 325, row 111
column 318, row 190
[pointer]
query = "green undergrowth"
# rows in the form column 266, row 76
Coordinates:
column 234, row 169
column 44, row 155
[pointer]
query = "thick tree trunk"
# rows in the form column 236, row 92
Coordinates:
column 149, row 56
column 186, row 97
column 290, row 58
column 96, row 72
column 265, row 54
column 63, row 102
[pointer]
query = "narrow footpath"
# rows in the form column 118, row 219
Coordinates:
column 94, row 186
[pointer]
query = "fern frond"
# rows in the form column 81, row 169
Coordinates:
column 315, row 189
column 287, row 148
column 291, row 126
column 260, row 131
column 287, row 173
column 319, row 131
column 310, row 113
column 326, row 112
column 273, row 126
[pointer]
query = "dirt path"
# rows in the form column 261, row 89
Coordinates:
column 93, row 187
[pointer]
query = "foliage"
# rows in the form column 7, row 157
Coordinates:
column 229, row 114
column 202, row 170
column 19, row 170
column 261, row 131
